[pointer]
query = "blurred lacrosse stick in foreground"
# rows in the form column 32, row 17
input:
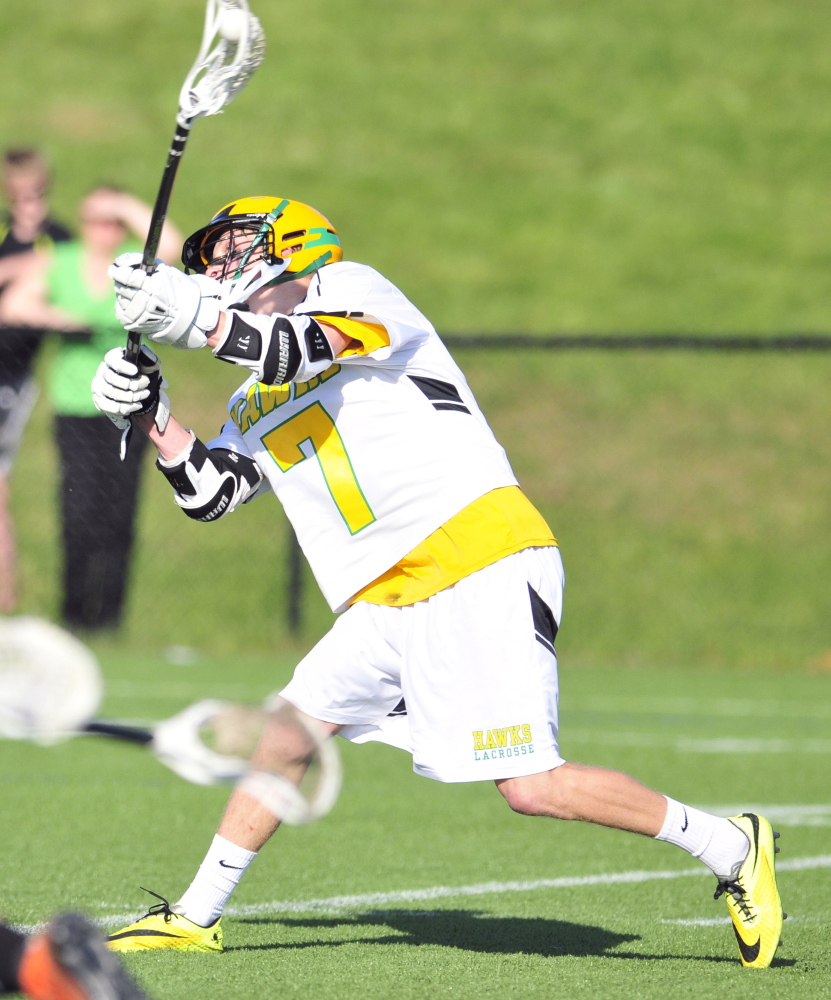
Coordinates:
column 51, row 688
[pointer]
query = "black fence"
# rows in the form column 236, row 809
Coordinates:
column 733, row 342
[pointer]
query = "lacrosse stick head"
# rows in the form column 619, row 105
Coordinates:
column 233, row 46
column 50, row 685
column 280, row 756
column 209, row 742
column 295, row 771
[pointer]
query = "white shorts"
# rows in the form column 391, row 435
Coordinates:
column 474, row 666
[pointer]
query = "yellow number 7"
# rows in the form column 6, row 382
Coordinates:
column 316, row 426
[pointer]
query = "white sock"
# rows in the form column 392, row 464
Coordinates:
column 719, row 843
column 218, row 875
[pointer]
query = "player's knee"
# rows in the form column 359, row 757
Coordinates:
column 525, row 795
column 550, row 793
column 517, row 795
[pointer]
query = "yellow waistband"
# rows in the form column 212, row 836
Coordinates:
column 496, row 525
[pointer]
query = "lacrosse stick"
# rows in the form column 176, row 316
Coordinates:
column 51, row 688
column 233, row 46
column 295, row 769
column 49, row 681
column 279, row 756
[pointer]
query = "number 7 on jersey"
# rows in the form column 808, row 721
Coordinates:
column 316, row 426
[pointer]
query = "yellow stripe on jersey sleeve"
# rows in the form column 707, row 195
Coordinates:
column 365, row 337
column 498, row 524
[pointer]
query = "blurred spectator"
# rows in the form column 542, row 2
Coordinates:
column 23, row 228
column 67, row 288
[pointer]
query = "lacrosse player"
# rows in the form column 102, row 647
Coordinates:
column 68, row 960
column 448, row 581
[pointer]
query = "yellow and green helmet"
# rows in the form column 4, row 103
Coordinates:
column 287, row 238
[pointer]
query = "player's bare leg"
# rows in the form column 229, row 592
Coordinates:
column 246, row 822
column 739, row 851
column 591, row 794
column 610, row 798
column 246, row 826
column 8, row 553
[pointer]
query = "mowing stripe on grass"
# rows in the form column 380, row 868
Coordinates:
column 689, row 744
column 641, row 705
column 172, row 690
column 729, row 707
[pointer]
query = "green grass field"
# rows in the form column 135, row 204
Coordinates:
column 93, row 821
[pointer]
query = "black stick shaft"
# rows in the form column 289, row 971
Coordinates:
column 151, row 245
column 117, row 731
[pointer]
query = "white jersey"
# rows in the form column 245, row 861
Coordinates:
column 375, row 454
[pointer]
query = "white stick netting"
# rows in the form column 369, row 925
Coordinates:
column 233, row 46
column 50, row 684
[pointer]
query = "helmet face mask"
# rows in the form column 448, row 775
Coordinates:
column 222, row 249
column 255, row 242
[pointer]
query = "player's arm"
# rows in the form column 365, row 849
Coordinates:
column 25, row 301
column 208, row 483
column 277, row 348
column 187, row 311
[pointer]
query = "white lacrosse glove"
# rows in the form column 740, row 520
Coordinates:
column 167, row 306
column 122, row 389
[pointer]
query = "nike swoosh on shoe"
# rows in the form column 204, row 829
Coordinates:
column 750, row 952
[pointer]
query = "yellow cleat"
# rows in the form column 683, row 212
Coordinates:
column 162, row 927
column 752, row 897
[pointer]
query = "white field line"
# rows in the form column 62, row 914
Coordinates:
column 369, row 901
column 720, row 921
column 795, row 815
column 690, row 744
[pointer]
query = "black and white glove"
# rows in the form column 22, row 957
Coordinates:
column 122, row 389
column 167, row 306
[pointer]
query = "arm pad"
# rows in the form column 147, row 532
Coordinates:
column 277, row 348
column 210, row 483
